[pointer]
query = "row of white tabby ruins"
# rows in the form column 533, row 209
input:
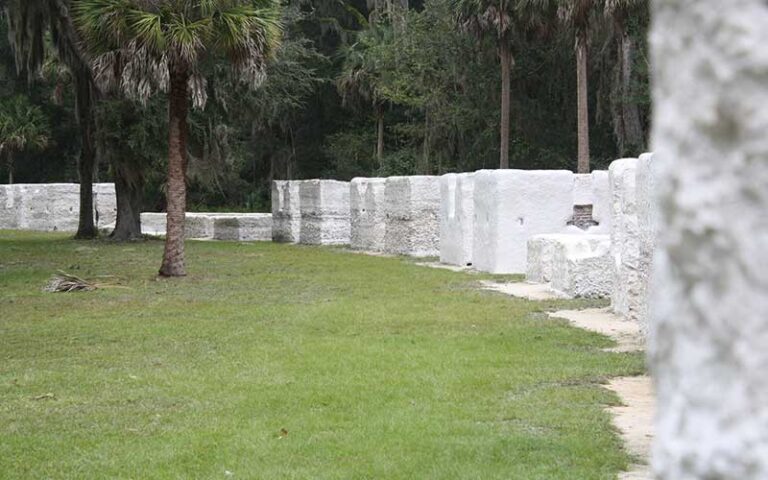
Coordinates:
column 560, row 228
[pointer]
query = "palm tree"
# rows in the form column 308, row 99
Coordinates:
column 162, row 44
column 29, row 22
column 505, row 19
column 578, row 14
column 22, row 126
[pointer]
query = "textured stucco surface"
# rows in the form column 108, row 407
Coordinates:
column 646, row 181
column 709, row 329
column 366, row 202
column 625, row 238
column 52, row 206
column 541, row 251
column 601, row 202
column 412, row 209
column 196, row 225
column 457, row 218
column 573, row 265
column 286, row 211
column 511, row 206
column 579, row 266
column 324, row 206
column 245, row 227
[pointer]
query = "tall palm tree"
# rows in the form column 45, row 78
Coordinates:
column 29, row 22
column 145, row 45
column 578, row 15
column 22, row 126
column 504, row 19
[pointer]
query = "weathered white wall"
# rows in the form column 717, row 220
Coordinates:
column 196, row 225
column 601, row 202
column 412, row 208
column 286, row 211
column 646, row 181
column 366, row 200
column 625, row 238
column 541, row 254
column 709, row 329
column 579, row 266
column 510, row 207
column 52, row 206
column 324, row 206
column 244, row 227
column 457, row 218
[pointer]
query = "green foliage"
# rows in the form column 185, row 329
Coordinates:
column 274, row 361
column 341, row 63
column 136, row 43
column 22, row 126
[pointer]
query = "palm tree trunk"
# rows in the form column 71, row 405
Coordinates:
column 505, row 55
column 176, row 187
column 633, row 130
column 86, row 228
column 583, row 107
column 380, row 134
column 128, row 190
column 10, row 168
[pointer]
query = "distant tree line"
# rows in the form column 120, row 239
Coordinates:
column 353, row 88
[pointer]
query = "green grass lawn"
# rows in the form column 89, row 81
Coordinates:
column 289, row 362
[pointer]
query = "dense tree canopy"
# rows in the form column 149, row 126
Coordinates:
column 361, row 88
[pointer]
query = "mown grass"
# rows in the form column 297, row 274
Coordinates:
column 288, row 362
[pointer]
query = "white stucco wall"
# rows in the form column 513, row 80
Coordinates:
column 625, row 238
column 646, row 182
column 579, row 266
column 593, row 189
column 324, row 206
column 601, row 202
column 368, row 220
column 541, row 253
column 52, row 206
column 412, row 209
column 286, row 211
column 244, row 227
column 456, row 218
column 510, row 207
column 709, row 329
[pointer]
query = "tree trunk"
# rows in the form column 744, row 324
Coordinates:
column 128, row 190
column 633, row 130
column 86, row 227
column 380, row 134
column 583, row 107
column 506, row 72
column 10, row 168
column 176, row 186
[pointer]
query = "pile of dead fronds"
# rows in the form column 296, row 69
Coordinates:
column 66, row 282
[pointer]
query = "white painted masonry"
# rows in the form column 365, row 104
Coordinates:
column 511, row 206
column 646, row 182
column 366, row 200
column 625, row 238
column 52, row 206
column 286, row 211
column 324, row 206
column 412, row 208
column 579, row 266
column 457, row 218
column 709, row 322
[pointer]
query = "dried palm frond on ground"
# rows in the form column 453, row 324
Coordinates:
column 66, row 282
